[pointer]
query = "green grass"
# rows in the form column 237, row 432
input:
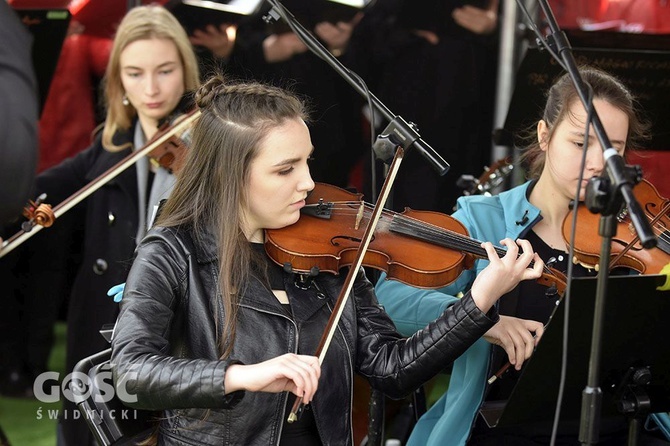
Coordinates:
column 20, row 418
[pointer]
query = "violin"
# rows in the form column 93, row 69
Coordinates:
column 626, row 251
column 420, row 248
column 170, row 153
column 165, row 148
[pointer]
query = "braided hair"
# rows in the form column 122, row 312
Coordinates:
column 211, row 188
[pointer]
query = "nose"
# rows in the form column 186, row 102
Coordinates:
column 595, row 161
column 306, row 183
column 151, row 86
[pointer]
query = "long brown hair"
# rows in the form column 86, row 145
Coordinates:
column 561, row 96
column 211, row 189
column 141, row 23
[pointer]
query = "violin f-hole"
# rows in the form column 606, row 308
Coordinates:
column 333, row 241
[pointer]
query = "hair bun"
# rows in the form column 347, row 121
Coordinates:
column 208, row 92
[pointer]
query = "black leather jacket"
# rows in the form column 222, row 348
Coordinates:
column 165, row 346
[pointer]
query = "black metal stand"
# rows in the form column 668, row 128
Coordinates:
column 634, row 400
column 592, row 394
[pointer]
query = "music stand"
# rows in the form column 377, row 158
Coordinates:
column 635, row 341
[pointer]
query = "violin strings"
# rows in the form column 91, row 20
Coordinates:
column 423, row 230
column 452, row 239
column 428, row 231
column 660, row 229
column 436, row 232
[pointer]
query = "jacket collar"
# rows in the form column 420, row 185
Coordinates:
column 205, row 246
column 304, row 300
column 520, row 214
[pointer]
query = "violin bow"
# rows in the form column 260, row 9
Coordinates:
column 336, row 314
column 33, row 228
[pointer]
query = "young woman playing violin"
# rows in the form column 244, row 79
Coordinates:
column 535, row 211
column 151, row 66
column 218, row 337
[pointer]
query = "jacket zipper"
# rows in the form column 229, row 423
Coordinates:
column 351, row 380
column 295, row 350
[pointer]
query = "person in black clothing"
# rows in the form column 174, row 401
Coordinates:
column 434, row 63
column 218, row 337
column 18, row 114
column 151, row 67
column 18, row 163
column 274, row 54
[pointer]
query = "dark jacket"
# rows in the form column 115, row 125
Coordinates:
column 165, row 345
column 110, row 217
column 18, row 115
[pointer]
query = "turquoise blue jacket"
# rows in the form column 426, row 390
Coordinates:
column 449, row 420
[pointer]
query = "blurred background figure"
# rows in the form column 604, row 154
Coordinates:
column 274, row 54
column 18, row 157
column 72, row 45
column 18, row 114
column 435, row 64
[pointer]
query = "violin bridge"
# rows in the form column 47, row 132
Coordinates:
column 359, row 215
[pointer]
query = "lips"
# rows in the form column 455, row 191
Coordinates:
column 154, row 105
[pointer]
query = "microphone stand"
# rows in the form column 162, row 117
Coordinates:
column 398, row 132
column 603, row 195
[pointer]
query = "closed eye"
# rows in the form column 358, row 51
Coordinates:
column 286, row 171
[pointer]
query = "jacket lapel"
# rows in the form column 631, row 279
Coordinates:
column 304, row 303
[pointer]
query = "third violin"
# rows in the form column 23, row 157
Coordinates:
column 626, row 249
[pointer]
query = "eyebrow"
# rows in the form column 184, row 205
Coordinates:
column 591, row 135
column 292, row 160
column 163, row 65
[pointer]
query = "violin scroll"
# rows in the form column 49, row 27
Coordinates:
column 171, row 153
column 38, row 213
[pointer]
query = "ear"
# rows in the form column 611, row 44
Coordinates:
column 543, row 135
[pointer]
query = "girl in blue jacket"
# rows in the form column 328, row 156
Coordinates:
column 534, row 211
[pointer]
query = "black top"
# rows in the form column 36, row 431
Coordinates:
column 302, row 432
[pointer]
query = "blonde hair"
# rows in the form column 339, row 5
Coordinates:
column 141, row 23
